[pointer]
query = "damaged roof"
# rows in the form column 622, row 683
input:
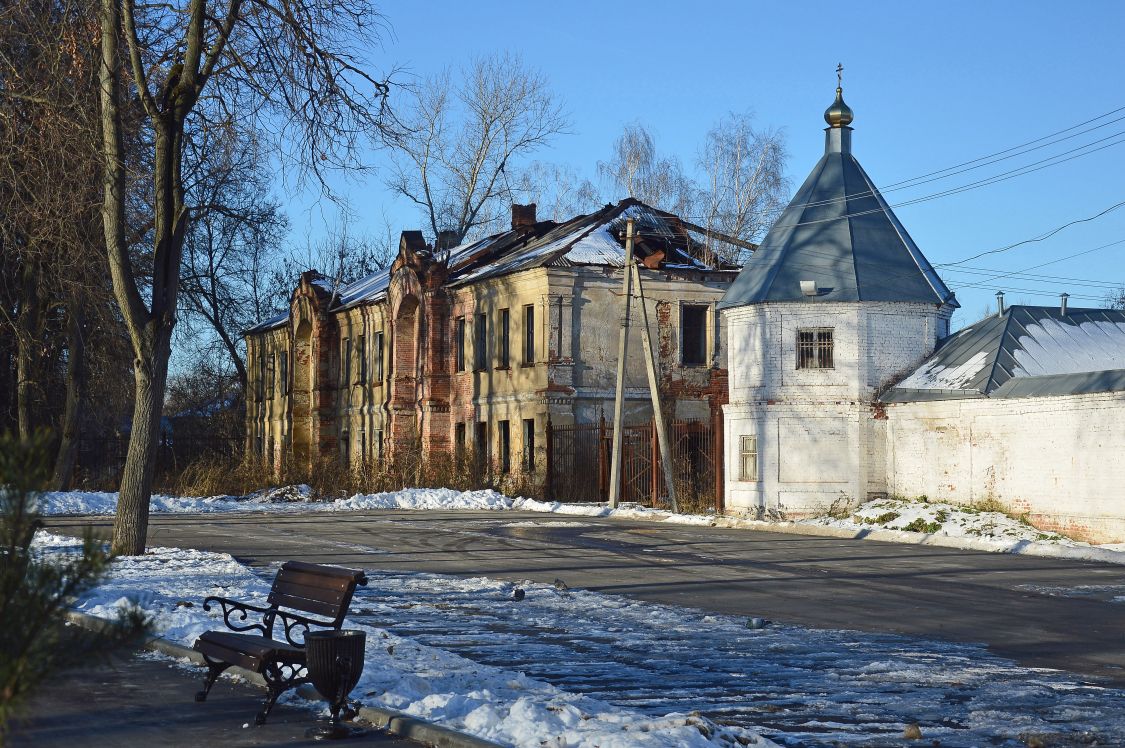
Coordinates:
column 1027, row 351
column 593, row 239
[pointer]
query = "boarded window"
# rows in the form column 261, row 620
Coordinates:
column 814, row 348
column 529, row 334
column 529, row 445
column 505, row 446
column 459, row 343
column 502, row 340
column 748, row 458
column 480, row 348
column 693, row 334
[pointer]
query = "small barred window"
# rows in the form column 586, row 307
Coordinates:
column 814, row 348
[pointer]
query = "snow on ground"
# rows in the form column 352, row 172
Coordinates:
column 565, row 667
column 937, row 518
column 943, row 524
column 501, row 705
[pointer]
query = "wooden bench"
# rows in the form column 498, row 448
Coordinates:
column 300, row 588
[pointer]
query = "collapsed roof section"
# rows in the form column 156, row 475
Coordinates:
column 662, row 240
column 1027, row 351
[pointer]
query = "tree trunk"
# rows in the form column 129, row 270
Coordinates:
column 29, row 336
column 130, row 527
column 76, row 373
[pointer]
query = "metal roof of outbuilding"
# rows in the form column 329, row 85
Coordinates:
column 1027, row 351
column 839, row 233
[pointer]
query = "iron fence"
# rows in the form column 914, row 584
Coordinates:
column 579, row 457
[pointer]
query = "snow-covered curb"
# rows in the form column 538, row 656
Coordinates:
column 963, row 528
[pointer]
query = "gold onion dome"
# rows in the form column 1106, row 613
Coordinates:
column 839, row 114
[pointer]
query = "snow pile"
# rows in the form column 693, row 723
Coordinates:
column 496, row 704
column 938, row 518
column 943, row 524
column 935, row 376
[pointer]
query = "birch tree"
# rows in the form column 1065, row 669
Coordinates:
column 292, row 69
column 465, row 139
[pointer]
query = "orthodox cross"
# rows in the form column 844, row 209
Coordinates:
column 839, row 75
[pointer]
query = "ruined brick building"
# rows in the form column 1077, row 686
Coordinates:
column 475, row 347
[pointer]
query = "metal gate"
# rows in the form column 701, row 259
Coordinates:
column 578, row 463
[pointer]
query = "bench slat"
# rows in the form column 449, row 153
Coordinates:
column 315, row 580
column 319, row 594
column 329, row 610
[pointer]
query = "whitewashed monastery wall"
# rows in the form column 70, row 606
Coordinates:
column 1061, row 459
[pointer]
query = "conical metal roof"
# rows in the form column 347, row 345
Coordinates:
column 838, row 240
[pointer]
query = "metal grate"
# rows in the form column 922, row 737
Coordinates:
column 814, row 348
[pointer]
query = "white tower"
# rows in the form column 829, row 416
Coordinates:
column 835, row 303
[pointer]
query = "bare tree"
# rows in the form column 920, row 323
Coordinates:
column 746, row 187
column 464, row 137
column 558, row 191
column 290, row 68
column 236, row 229
column 636, row 169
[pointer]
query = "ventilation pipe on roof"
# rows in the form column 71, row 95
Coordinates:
column 999, row 303
column 808, row 288
column 1062, row 302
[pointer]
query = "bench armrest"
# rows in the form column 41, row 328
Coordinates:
column 295, row 623
column 232, row 607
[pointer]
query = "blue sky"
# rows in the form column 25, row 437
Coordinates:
column 932, row 85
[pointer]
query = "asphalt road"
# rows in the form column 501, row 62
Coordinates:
column 1014, row 604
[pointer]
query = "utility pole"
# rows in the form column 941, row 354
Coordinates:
column 654, row 391
column 622, row 349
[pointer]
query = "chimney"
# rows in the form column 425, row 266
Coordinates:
column 999, row 303
column 523, row 216
column 1062, row 302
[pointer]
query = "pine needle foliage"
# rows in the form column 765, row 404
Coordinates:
column 37, row 589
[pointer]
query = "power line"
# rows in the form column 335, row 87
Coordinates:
column 1041, row 237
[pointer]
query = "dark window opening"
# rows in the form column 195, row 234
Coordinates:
column 529, row 334
column 693, row 335
column 459, row 441
column 502, row 354
column 459, row 343
column 529, row 445
column 480, row 349
column 481, row 446
column 814, row 348
column 378, row 346
column 505, row 447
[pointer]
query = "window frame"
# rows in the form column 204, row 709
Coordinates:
column 361, row 358
column 377, row 353
column 503, row 333
column 748, row 448
column 346, row 362
column 816, row 354
column 480, row 341
column 459, row 343
column 528, row 335
column 504, row 445
column 704, row 337
column 528, row 445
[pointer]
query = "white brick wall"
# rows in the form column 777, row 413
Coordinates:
column 818, row 442
column 1061, row 459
